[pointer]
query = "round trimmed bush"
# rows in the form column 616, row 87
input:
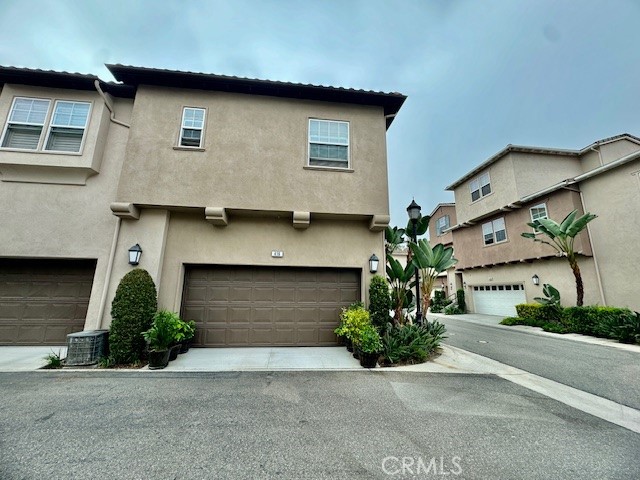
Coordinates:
column 132, row 310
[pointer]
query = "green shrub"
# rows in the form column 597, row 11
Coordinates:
column 410, row 343
column 617, row 323
column 462, row 304
column 529, row 310
column 522, row 321
column 453, row 310
column 554, row 328
column 439, row 302
column 369, row 340
column 580, row 320
column 352, row 322
column 379, row 301
column 132, row 311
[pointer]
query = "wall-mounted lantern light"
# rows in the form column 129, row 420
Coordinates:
column 373, row 263
column 134, row 254
column 535, row 279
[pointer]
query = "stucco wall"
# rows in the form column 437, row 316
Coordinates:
column 615, row 197
column 445, row 238
column 65, row 221
column 503, row 191
column 469, row 244
column 555, row 271
column 534, row 171
column 255, row 155
column 247, row 240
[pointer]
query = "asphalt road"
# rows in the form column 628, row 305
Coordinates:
column 298, row 425
column 608, row 372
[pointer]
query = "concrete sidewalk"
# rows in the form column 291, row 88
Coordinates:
column 24, row 359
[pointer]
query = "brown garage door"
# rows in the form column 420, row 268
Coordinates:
column 41, row 301
column 260, row 306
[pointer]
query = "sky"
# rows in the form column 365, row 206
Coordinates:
column 479, row 74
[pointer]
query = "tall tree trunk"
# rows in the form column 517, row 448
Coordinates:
column 579, row 285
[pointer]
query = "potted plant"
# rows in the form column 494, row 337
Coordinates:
column 369, row 346
column 352, row 320
column 159, row 337
column 187, row 330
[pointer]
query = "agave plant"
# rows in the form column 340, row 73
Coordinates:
column 431, row 262
column 561, row 236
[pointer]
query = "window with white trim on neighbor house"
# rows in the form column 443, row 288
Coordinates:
column 538, row 212
column 64, row 129
column 442, row 224
column 480, row 186
column 192, row 127
column 494, row 232
column 328, row 143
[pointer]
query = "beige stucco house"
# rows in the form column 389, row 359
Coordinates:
column 257, row 204
column 495, row 201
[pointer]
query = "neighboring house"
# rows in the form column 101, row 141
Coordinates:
column 257, row 204
column 496, row 200
column 443, row 217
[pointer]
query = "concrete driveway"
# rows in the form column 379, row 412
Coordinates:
column 22, row 359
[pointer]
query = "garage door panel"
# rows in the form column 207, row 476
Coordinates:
column 267, row 305
column 307, row 295
column 41, row 301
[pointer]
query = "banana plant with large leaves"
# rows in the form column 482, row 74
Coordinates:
column 392, row 238
column 400, row 280
column 431, row 262
column 561, row 236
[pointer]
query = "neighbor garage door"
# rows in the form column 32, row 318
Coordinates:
column 498, row 299
column 260, row 306
column 41, row 301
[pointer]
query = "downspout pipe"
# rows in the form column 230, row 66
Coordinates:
column 107, row 278
column 595, row 258
column 112, row 115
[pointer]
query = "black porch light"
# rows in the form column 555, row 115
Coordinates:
column 535, row 279
column 373, row 263
column 134, row 254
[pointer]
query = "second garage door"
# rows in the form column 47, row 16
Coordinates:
column 267, row 306
column 498, row 299
column 41, row 301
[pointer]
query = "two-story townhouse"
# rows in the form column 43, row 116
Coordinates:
column 62, row 145
column 443, row 217
column 495, row 201
column 257, row 204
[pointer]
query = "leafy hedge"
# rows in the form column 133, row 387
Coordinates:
column 132, row 311
column 439, row 302
column 609, row 322
column 379, row 301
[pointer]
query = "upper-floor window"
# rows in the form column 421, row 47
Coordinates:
column 328, row 143
column 29, row 116
column 442, row 224
column 538, row 212
column 494, row 232
column 192, row 127
column 480, row 186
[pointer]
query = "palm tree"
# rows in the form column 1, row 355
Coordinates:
column 400, row 281
column 561, row 237
column 431, row 262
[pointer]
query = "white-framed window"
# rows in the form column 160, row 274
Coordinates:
column 494, row 232
column 67, row 126
column 480, row 186
column 25, row 123
column 192, row 128
column 442, row 224
column 538, row 212
column 328, row 143
column 29, row 118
